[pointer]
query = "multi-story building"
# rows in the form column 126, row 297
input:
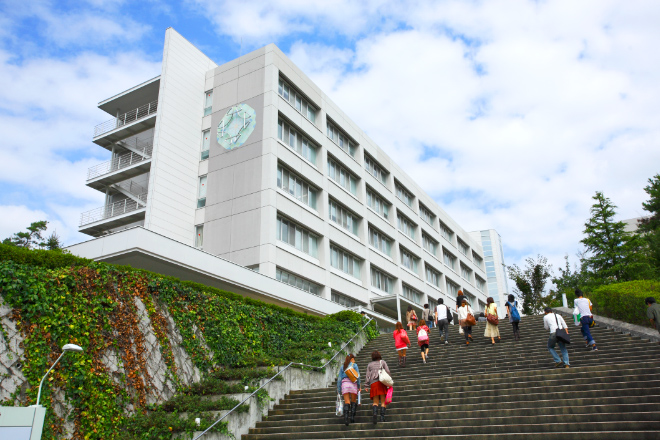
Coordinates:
column 251, row 162
column 498, row 284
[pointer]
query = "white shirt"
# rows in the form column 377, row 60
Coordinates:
column 582, row 305
column 441, row 310
column 463, row 312
column 550, row 323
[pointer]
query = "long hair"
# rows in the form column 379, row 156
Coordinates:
column 398, row 326
column 375, row 356
column 348, row 360
column 511, row 298
column 410, row 308
column 422, row 322
column 490, row 300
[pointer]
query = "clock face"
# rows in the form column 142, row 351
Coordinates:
column 236, row 126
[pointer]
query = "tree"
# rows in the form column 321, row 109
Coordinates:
column 612, row 254
column 530, row 283
column 569, row 279
column 33, row 237
column 649, row 227
column 53, row 242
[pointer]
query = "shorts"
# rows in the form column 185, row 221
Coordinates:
column 424, row 347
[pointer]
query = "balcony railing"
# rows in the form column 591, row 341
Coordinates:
column 112, row 210
column 119, row 162
column 126, row 118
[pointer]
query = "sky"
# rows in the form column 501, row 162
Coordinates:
column 511, row 114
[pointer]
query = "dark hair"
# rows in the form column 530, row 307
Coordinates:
column 409, row 308
column 375, row 356
column 511, row 298
column 649, row 300
column 490, row 300
column 441, row 301
column 481, row 315
column 548, row 310
column 398, row 326
column 422, row 322
column 426, row 306
column 348, row 360
column 578, row 293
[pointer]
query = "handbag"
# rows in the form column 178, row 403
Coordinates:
column 561, row 333
column 515, row 315
column 413, row 316
column 491, row 317
column 339, row 407
column 470, row 321
column 388, row 396
column 352, row 374
column 383, row 377
column 450, row 317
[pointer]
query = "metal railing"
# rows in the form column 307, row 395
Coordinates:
column 112, row 210
column 126, row 118
column 280, row 372
column 119, row 162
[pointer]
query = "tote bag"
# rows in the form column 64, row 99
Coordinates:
column 561, row 333
column 383, row 377
column 339, row 407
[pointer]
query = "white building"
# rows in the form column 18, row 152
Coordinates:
column 498, row 283
column 252, row 163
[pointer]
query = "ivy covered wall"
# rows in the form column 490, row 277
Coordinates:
column 145, row 337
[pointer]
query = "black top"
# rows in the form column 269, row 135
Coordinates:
column 459, row 299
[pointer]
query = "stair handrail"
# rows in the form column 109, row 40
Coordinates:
column 280, row 372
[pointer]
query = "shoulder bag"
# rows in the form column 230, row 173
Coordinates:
column 470, row 321
column 352, row 374
column 450, row 317
column 561, row 333
column 383, row 377
column 492, row 318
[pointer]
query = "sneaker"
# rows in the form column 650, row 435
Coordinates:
column 594, row 348
column 446, row 342
column 567, row 366
column 559, row 364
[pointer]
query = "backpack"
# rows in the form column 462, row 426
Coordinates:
column 422, row 335
column 515, row 315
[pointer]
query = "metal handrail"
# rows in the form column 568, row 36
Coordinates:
column 280, row 372
column 119, row 162
column 126, row 118
column 112, row 210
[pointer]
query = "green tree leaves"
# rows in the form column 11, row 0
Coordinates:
column 530, row 283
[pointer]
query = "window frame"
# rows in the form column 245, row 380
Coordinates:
column 305, row 141
column 337, row 172
column 382, row 238
column 368, row 160
column 201, row 191
column 355, row 220
column 342, row 138
column 208, row 109
column 402, row 219
column 381, row 274
column 384, row 204
column 294, row 94
column 400, row 188
column 347, row 257
column 304, row 184
column 279, row 276
column 424, row 210
column 296, row 232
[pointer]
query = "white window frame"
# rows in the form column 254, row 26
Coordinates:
column 208, row 106
column 302, row 145
column 201, row 192
column 383, row 241
column 296, row 100
column 302, row 191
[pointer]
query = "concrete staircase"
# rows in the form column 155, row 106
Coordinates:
column 507, row 391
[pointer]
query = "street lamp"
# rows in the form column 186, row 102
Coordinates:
column 67, row 347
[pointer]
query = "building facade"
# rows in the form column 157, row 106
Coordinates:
column 497, row 279
column 251, row 162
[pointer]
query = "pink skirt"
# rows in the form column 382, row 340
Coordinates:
column 348, row 387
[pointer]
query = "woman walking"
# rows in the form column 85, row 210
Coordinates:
column 492, row 328
column 347, row 388
column 512, row 305
column 411, row 318
column 378, row 391
column 423, row 334
column 401, row 343
column 463, row 311
column 428, row 316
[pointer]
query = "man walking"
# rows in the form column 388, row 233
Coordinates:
column 442, row 319
column 552, row 322
column 653, row 312
column 584, row 306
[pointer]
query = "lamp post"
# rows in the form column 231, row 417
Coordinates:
column 67, row 347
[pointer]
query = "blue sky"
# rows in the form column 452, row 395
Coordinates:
column 511, row 114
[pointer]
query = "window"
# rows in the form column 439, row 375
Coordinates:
column 201, row 192
column 464, row 248
column 378, row 204
column 343, row 300
column 199, row 236
column 466, row 273
column 404, row 195
column 429, row 244
column 412, row 294
column 296, row 281
column 408, row 260
column 405, row 225
column 426, row 214
column 375, row 169
column 450, row 260
column 342, row 260
column 381, row 281
column 477, row 260
column 481, row 284
column 339, row 138
column 340, row 175
column 446, row 232
column 208, row 102
column 432, row 276
column 298, row 143
column 343, row 217
column 293, row 97
column 380, row 241
column 452, row 288
column 433, row 306
column 296, row 236
column 291, row 183
column 206, row 144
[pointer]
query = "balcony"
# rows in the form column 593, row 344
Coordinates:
column 113, row 215
column 134, row 163
column 126, row 124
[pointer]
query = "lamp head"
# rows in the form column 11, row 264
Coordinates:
column 72, row 347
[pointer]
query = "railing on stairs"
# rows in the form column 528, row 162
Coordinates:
column 280, row 372
column 119, row 162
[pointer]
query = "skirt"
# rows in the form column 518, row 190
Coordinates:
column 377, row 389
column 492, row 331
column 348, row 387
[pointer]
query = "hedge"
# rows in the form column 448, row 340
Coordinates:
column 625, row 301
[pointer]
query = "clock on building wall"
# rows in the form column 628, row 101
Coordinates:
column 236, row 126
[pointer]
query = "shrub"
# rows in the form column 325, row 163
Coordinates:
column 625, row 301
